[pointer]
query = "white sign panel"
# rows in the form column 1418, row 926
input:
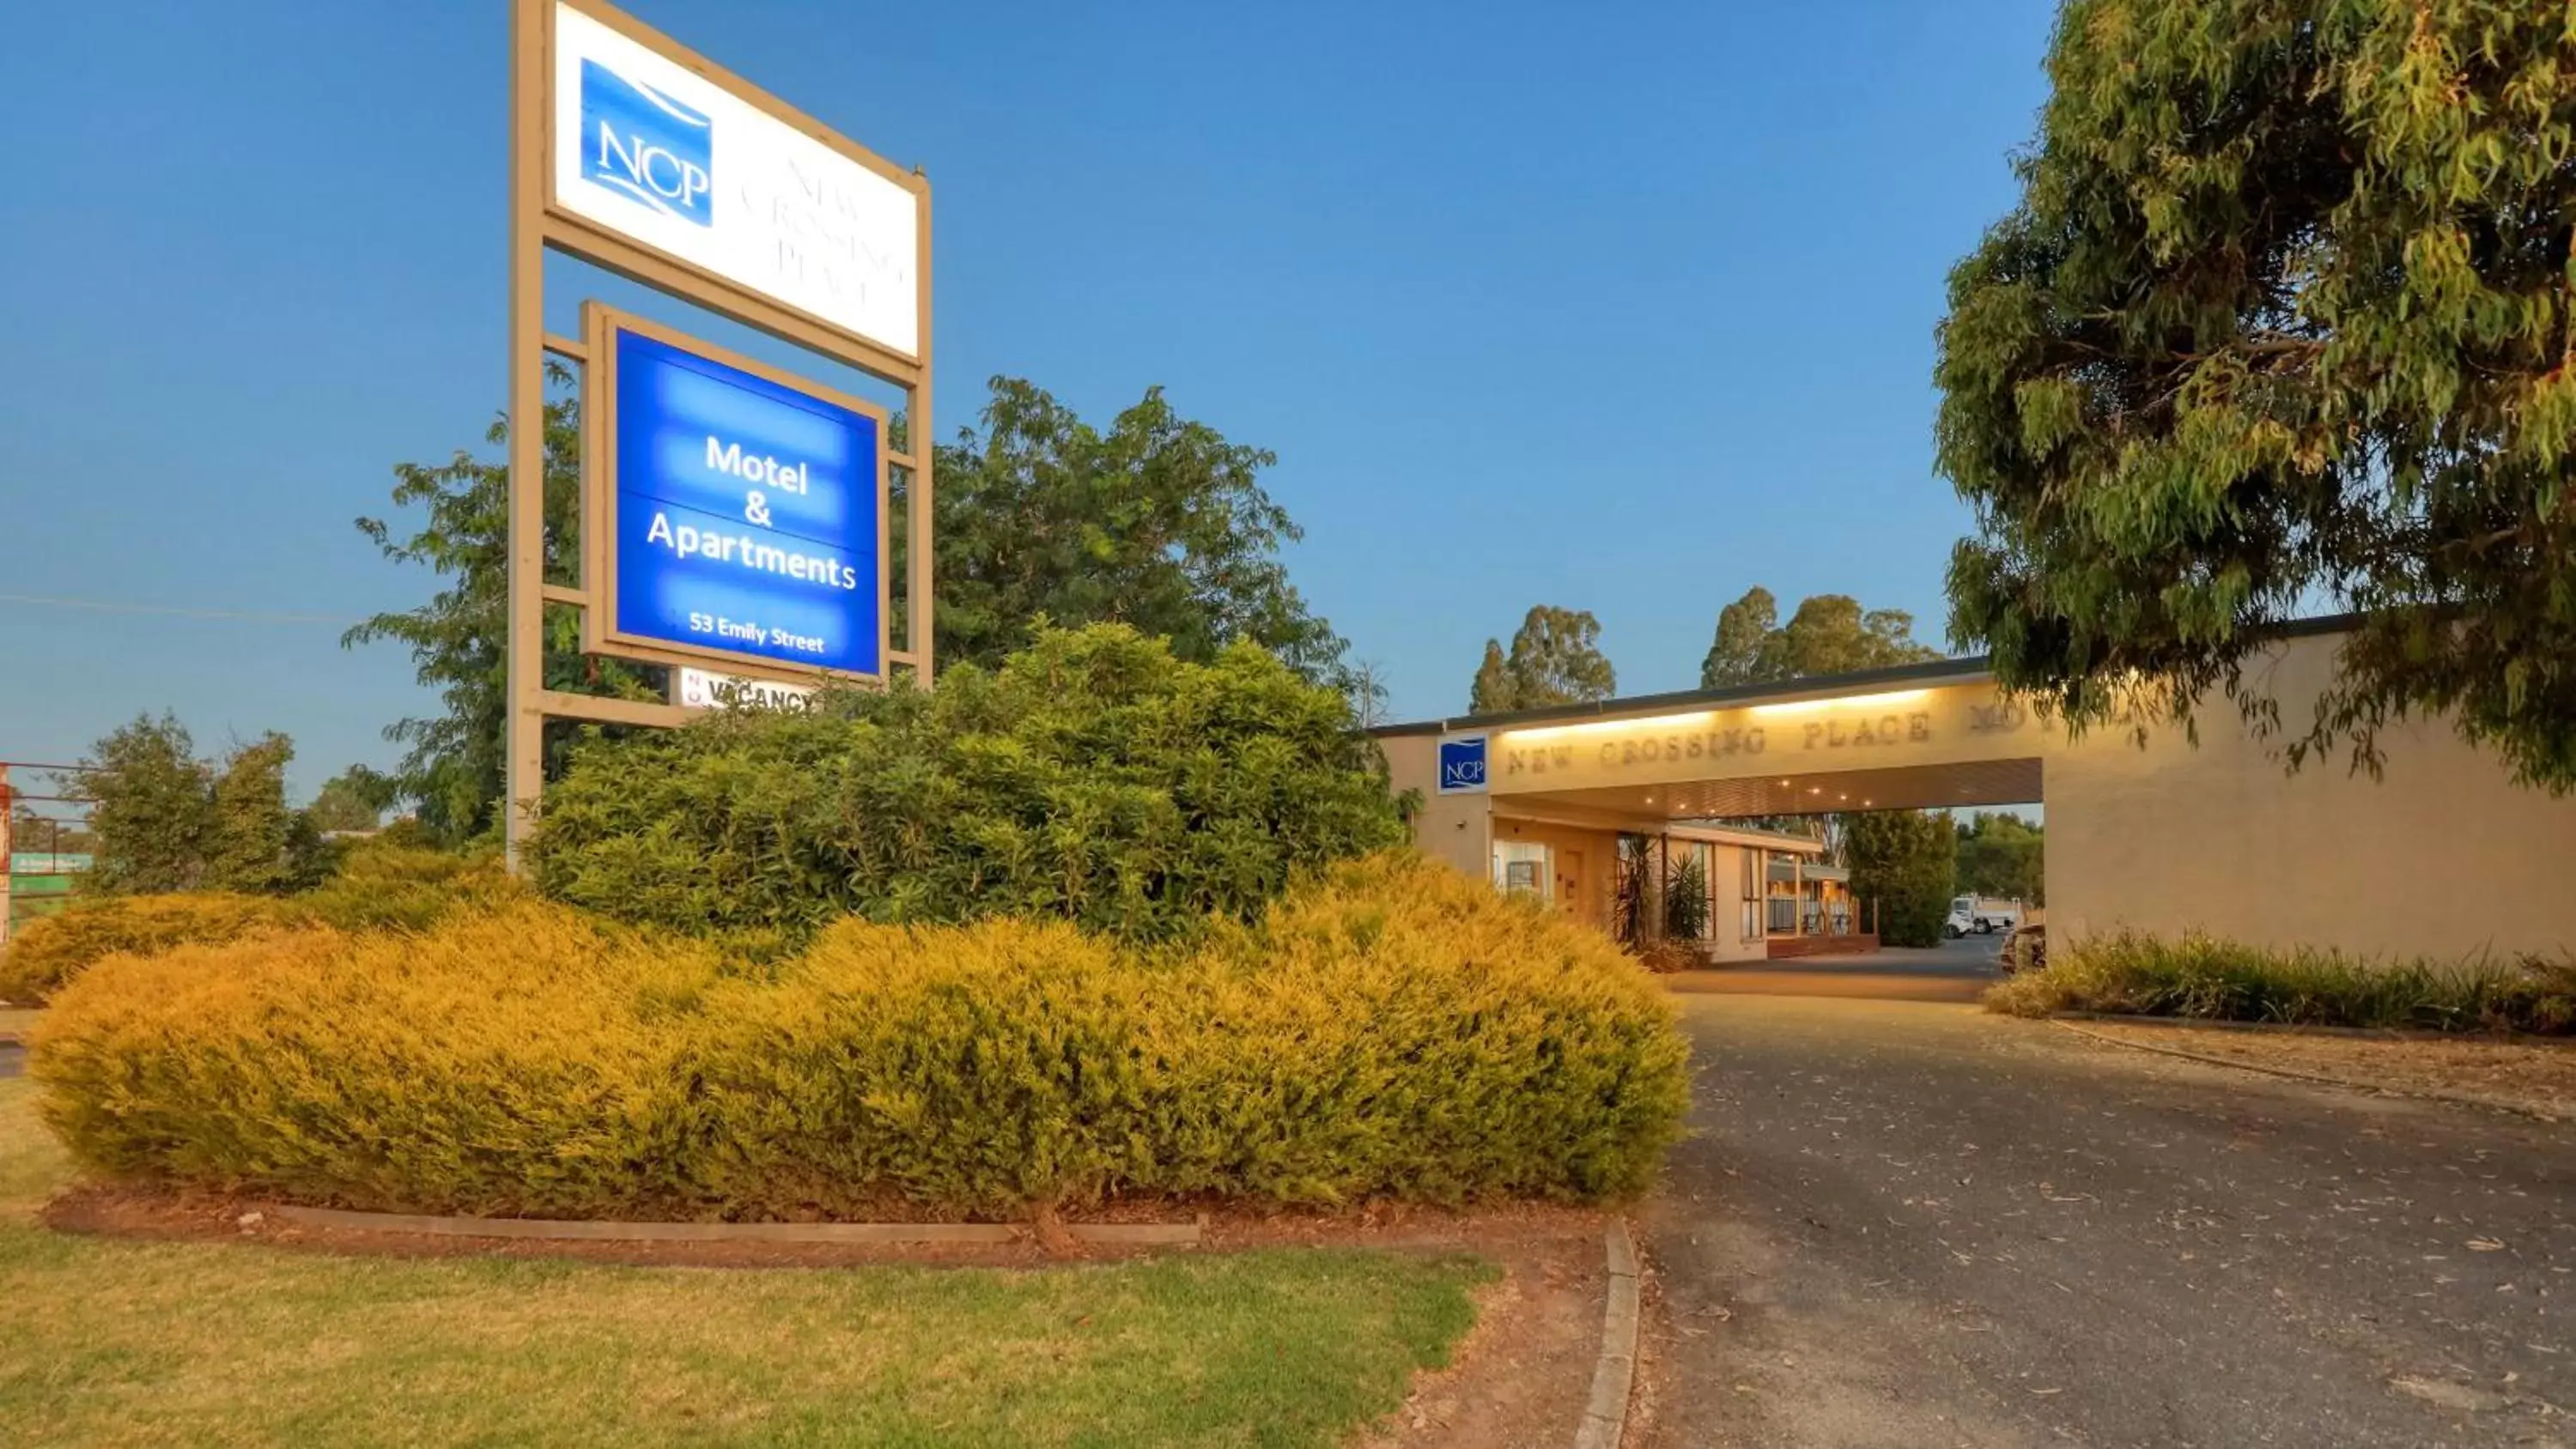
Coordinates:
column 706, row 689
column 651, row 150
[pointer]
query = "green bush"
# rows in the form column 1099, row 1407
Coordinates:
column 1904, row 862
column 376, row 888
column 2201, row 977
column 1093, row 777
column 1390, row 1030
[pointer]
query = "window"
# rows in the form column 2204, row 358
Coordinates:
column 1521, row 868
column 1749, row 919
column 1784, row 915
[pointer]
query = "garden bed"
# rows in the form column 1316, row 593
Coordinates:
column 2522, row 1074
column 2201, row 978
column 112, row 1341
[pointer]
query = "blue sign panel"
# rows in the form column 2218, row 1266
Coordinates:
column 1462, row 765
column 746, row 513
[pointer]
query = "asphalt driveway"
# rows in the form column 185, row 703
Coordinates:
column 1959, row 970
column 1913, row 1224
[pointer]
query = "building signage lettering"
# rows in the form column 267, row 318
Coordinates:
column 1886, row 729
column 1580, row 749
column 2002, row 717
column 745, row 512
column 650, row 150
column 1713, row 744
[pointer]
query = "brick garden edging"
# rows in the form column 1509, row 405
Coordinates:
column 1179, row 1235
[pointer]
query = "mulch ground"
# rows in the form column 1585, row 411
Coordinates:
column 2527, row 1074
column 194, row 1216
column 1523, row 1377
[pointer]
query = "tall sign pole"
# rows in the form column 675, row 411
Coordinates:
column 525, row 734
column 8, row 849
column 734, row 517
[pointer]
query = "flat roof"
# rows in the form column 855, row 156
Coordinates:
column 1962, row 670
column 1939, row 671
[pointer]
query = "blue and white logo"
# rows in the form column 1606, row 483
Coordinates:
column 1462, row 766
column 640, row 143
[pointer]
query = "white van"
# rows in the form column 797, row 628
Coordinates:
column 1981, row 914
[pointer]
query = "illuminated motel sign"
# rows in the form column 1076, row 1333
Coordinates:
column 736, row 524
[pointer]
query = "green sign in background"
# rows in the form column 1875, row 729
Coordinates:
column 41, row 884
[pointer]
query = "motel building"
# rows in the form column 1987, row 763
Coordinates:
column 2442, row 856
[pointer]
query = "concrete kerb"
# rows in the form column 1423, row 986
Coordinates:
column 1178, row 1235
column 1605, row 1418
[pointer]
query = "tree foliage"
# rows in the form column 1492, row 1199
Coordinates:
column 1830, row 634
column 454, row 766
column 1555, row 658
column 2283, row 317
column 1906, row 862
column 1160, row 523
column 161, row 819
column 255, row 844
column 1095, row 776
column 151, row 808
column 355, row 799
column 2001, row 854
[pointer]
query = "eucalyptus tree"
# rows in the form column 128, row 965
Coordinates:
column 2282, row 321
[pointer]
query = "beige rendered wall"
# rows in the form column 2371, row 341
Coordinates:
column 1454, row 828
column 2445, row 856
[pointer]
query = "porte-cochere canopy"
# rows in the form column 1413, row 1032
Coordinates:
column 2444, row 855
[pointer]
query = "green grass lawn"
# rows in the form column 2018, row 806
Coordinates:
column 106, row 1342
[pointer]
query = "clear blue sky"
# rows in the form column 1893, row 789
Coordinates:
column 251, row 255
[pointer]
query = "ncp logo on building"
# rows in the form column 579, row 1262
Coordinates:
column 640, row 143
column 1462, row 765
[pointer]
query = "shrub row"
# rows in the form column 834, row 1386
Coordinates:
column 376, row 888
column 1391, row 1030
column 1092, row 777
column 2202, row 977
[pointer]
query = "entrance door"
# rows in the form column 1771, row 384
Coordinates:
column 1569, row 883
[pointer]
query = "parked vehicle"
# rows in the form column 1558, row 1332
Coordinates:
column 1983, row 915
column 2026, row 949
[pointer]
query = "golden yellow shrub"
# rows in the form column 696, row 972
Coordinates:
column 375, row 888
column 1390, row 1030
column 528, row 1060
column 45, row 953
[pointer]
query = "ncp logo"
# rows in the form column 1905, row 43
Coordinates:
column 1462, row 765
column 641, row 143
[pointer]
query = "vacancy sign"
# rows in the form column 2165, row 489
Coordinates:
column 650, row 150
column 707, row 689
